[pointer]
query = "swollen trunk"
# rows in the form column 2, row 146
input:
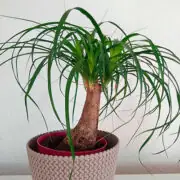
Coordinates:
column 85, row 133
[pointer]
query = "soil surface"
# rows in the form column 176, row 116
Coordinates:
column 57, row 143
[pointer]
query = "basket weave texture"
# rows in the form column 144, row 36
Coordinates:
column 98, row 166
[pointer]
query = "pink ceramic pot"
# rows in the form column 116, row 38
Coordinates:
column 45, row 150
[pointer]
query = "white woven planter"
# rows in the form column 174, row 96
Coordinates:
column 99, row 166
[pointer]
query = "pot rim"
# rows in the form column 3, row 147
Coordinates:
column 31, row 147
column 49, row 151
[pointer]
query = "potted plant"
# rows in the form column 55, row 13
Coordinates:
column 104, row 64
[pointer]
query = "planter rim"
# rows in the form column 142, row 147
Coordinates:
column 35, row 153
column 49, row 151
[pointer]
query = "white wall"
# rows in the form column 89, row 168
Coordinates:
column 157, row 19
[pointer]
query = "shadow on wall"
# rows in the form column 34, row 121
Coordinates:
column 21, row 169
column 153, row 169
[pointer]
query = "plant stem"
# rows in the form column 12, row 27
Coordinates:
column 85, row 133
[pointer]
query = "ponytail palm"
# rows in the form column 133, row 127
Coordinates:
column 105, row 64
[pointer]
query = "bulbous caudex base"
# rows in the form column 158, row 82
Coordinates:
column 85, row 133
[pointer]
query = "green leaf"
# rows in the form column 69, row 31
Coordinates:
column 67, row 92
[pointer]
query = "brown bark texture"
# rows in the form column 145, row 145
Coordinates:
column 85, row 132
